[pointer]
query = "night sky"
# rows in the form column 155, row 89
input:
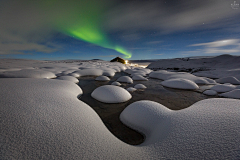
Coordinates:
column 131, row 29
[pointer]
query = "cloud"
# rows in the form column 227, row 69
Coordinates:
column 167, row 16
column 110, row 56
column 220, row 43
column 153, row 42
column 218, row 47
column 28, row 25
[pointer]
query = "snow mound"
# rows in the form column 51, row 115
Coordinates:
column 28, row 73
column 231, row 79
column 223, row 87
column 108, row 73
column 140, row 86
column 139, row 78
column 89, row 72
column 180, row 84
column 74, row 75
column 125, row 79
column 116, row 84
column 144, row 115
column 210, row 92
column 206, row 128
column 102, row 78
column 131, row 89
column 129, row 71
column 165, row 75
column 111, row 94
column 68, row 78
column 232, row 94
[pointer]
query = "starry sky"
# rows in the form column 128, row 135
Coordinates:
column 131, row 29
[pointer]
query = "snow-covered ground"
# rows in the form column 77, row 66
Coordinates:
column 42, row 117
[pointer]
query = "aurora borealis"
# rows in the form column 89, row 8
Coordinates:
column 93, row 29
column 86, row 26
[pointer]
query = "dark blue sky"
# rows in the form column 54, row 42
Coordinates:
column 146, row 29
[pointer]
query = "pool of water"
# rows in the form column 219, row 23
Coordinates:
column 109, row 113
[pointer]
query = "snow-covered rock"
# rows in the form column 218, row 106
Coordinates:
column 74, row 75
column 232, row 94
column 125, row 79
column 131, row 89
column 68, row 78
column 111, row 94
column 231, row 79
column 116, row 83
column 28, row 73
column 144, row 115
column 210, row 92
column 180, row 84
column 140, row 86
column 223, row 87
column 102, row 78
column 139, row 78
column 199, row 127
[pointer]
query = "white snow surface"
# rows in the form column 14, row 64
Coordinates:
column 210, row 92
column 139, row 78
column 140, row 86
column 89, row 72
column 125, row 79
column 214, row 67
column 223, row 87
column 111, row 94
column 28, row 73
column 165, row 75
column 180, row 84
column 232, row 94
column 43, row 119
column 68, row 78
column 116, row 83
column 231, row 79
column 102, row 78
column 205, row 129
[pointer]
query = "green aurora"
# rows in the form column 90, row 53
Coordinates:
column 82, row 20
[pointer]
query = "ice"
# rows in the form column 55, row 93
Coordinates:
column 180, row 84
column 102, row 78
column 111, row 94
column 68, row 78
column 140, row 86
column 232, row 94
column 125, row 79
column 210, row 92
column 223, row 87
column 231, row 79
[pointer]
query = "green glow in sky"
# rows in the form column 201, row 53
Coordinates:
column 81, row 20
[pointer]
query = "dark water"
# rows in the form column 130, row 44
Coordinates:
column 109, row 113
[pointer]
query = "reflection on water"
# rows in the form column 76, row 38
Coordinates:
column 109, row 113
